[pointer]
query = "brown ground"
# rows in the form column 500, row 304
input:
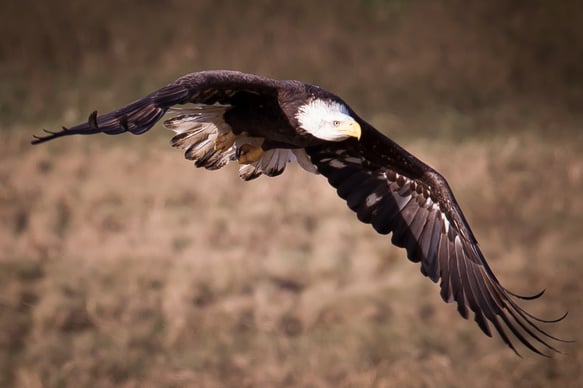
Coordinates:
column 122, row 265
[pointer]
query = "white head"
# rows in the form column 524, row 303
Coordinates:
column 327, row 120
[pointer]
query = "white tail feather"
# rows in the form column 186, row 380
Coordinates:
column 304, row 160
column 273, row 163
column 197, row 129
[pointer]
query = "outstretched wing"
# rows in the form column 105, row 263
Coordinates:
column 207, row 87
column 395, row 192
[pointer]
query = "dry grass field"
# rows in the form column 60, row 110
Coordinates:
column 121, row 265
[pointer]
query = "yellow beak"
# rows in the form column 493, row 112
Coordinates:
column 352, row 129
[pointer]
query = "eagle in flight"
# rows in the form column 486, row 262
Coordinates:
column 263, row 124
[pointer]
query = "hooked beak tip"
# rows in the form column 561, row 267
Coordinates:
column 355, row 130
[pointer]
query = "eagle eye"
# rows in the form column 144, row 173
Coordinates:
column 336, row 123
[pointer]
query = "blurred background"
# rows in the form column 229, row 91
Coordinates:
column 121, row 265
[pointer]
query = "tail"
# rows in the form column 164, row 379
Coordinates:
column 137, row 117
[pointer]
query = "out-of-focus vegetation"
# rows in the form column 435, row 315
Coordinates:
column 122, row 265
column 396, row 56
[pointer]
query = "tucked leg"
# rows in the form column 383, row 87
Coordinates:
column 248, row 153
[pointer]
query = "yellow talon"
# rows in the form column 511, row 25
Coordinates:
column 248, row 153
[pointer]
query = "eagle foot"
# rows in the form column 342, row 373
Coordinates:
column 248, row 153
column 224, row 142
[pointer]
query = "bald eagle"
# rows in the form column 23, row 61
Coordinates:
column 264, row 124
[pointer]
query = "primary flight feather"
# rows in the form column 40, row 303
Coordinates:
column 263, row 124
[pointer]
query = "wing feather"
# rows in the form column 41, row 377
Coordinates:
column 383, row 222
column 394, row 192
column 206, row 87
column 428, row 244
